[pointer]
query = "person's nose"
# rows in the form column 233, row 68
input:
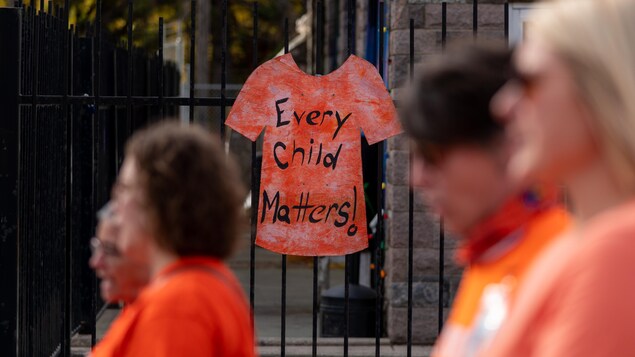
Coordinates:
column 504, row 103
column 96, row 260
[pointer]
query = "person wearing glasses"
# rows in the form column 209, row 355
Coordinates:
column 178, row 202
column 121, row 279
column 571, row 111
column 459, row 168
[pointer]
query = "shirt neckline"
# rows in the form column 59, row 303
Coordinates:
column 185, row 261
column 288, row 58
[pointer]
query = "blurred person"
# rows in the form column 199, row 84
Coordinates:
column 121, row 279
column 178, row 199
column 571, row 116
column 459, row 167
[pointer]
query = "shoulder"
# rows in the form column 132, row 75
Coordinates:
column 189, row 294
column 602, row 267
column 362, row 63
column 619, row 221
column 276, row 64
column 597, row 287
column 608, row 243
column 611, row 234
column 359, row 70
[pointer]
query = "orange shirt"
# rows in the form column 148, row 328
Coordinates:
column 311, row 190
column 579, row 299
column 194, row 307
column 507, row 260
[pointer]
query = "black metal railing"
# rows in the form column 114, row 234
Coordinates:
column 69, row 153
column 75, row 101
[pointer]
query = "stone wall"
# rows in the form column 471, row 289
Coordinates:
column 427, row 19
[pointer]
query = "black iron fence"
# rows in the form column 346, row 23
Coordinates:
column 68, row 153
column 68, row 104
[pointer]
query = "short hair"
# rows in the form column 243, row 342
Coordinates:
column 449, row 103
column 594, row 39
column 191, row 189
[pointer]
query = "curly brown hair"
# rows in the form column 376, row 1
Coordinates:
column 191, row 189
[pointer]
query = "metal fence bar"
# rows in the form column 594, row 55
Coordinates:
column 475, row 18
column 192, row 56
column 34, row 117
column 347, row 269
column 319, row 69
column 410, row 202
column 161, row 72
column 95, row 128
column 444, row 34
column 28, row 37
column 283, row 310
column 66, row 75
column 254, row 177
column 381, row 156
column 34, row 63
column 315, row 307
column 350, row 13
column 118, row 156
column 223, row 61
column 380, row 181
column 506, row 9
column 130, row 71
column 40, row 342
column 69, row 172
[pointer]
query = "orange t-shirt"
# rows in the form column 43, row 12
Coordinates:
column 194, row 307
column 579, row 299
column 311, row 190
column 508, row 260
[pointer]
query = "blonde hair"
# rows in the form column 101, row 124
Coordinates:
column 595, row 39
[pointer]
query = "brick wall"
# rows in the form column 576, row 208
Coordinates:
column 427, row 18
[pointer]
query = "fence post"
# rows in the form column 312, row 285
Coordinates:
column 10, row 32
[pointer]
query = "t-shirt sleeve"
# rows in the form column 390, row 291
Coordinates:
column 377, row 115
column 251, row 112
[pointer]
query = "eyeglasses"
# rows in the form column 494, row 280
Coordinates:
column 109, row 249
column 106, row 212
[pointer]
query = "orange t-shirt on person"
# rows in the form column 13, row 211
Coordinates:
column 579, row 299
column 194, row 307
column 488, row 282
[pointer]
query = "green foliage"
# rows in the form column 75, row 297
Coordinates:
column 271, row 15
column 146, row 13
column 145, row 17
